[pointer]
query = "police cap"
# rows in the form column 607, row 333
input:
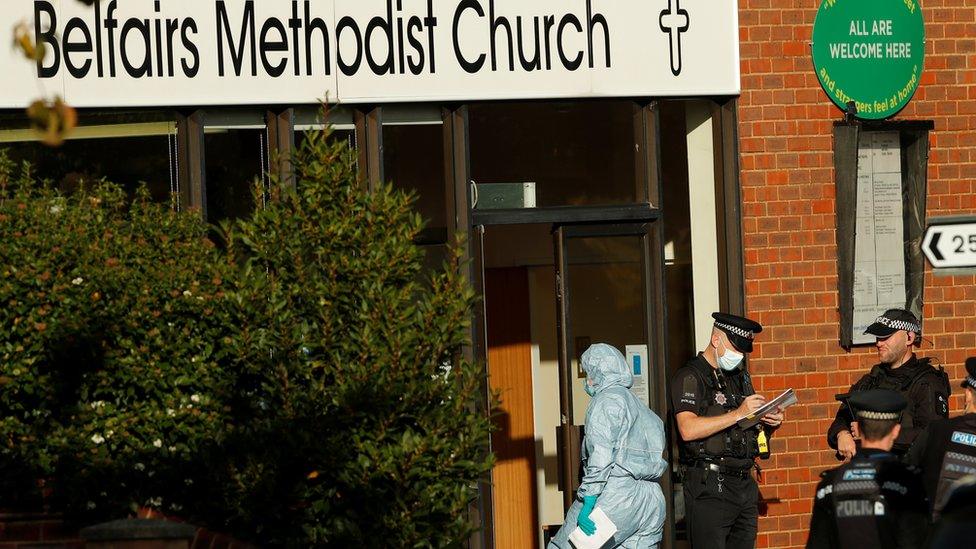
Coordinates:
column 741, row 330
column 882, row 404
column 892, row 321
column 970, row 381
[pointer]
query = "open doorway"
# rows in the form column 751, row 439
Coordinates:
column 548, row 287
column 612, row 270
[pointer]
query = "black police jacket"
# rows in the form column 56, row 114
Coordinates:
column 945, row 452
column 706, row 392
column 873, row 502
column 925, row 387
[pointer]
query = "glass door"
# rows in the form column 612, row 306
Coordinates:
column 603, row 289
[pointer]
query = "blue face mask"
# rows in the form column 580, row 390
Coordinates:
column 590, row 390
column 730, row 360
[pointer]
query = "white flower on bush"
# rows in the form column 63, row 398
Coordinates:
column 158, row 443
column 90, row 505
column 188, row 482
column 55, row 209
column 140, row 467
column 155, row 502
column 172, row 448
column 187, row 293
column 97, row 438
column 97, row 404
column 170, row 412
column 78, row 281
column 195, row 399
column 109, row 434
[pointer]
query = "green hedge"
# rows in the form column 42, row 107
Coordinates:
column 298, row 385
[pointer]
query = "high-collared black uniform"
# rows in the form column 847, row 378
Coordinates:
column 945, row 452
column 721, row 506
column 875, row 501
column 925, row 387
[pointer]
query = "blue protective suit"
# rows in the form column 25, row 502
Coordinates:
column 622, row 456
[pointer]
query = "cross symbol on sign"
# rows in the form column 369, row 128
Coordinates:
column 674, row 21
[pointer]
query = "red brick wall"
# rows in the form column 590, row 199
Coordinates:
column 786, row 147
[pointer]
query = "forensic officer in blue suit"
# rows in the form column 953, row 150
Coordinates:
column 623, row 459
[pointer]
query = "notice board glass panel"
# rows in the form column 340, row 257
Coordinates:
column 880, row 174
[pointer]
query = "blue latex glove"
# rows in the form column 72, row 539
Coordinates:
column 583, row 519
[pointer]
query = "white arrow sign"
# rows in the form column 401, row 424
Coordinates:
column 951, row 245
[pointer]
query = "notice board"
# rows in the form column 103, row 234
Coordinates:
column 880, row 175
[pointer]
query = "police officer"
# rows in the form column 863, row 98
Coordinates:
column 708, row 395
column 925, row 387
column 875, row 500
column 954, row 528
column 946, row 451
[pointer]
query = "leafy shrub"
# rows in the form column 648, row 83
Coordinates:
column 299, row 386
column 357, row 404
column 111, row 384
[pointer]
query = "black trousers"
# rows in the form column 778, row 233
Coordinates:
column 721, row 519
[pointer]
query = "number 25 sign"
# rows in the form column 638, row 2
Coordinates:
column 951, row 244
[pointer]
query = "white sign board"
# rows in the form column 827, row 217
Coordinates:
column 950, row 245
column 879, row 249
column 120, row 53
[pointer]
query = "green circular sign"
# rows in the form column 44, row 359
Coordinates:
column 870, row 52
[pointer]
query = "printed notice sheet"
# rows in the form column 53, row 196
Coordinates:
column 879, row 247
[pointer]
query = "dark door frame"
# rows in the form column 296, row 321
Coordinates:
column 562, row 234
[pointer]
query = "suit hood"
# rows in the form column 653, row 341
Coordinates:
column 606, row 367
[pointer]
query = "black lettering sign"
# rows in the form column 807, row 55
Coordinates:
column 47, row 37
column 393, row 42
column 84, row 46
column 247, row 35
column 469, row 66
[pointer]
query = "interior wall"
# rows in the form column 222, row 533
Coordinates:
column 545, row 375
column 701, row 189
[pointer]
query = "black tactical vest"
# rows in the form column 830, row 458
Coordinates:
column 860, row 506
column 877, row 379
column 722, row 394
column 959, row 461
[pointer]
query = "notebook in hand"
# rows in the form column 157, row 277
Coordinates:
column 605, row 529
column 786, row 399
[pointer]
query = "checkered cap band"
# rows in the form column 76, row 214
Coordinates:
column 878, row 415
column 736, row 330
column 899, row 324
column 971, row 381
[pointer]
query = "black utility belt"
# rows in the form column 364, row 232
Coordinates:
column 711, row 466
